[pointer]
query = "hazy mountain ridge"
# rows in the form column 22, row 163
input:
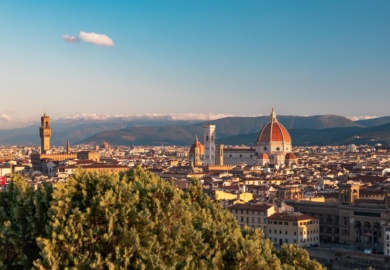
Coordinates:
column 234, row 130
column 318, row 129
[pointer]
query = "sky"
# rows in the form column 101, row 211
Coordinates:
column 193, row 57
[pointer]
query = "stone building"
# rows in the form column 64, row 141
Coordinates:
column 195, row 156
column 252, row 215
column 293, row 228
column 351, row 220
column 273, row 146
column 38, row 159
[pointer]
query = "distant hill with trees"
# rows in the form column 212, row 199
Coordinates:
column 132, row 221
column 230, row 130
column 312, row 130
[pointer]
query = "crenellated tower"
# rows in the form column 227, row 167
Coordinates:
column 45, row 134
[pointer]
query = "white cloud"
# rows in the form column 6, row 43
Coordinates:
column 5, row 118
column 150, row 116
column 356, row 118
column 70, row 39
column 98, row 39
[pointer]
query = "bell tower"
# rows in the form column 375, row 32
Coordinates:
column 209, row 144
column 45, row 133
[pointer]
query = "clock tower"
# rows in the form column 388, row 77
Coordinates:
column 45, row 134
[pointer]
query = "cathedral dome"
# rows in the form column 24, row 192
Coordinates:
column 291, row 156
column 197, row 146
column 263, row 156
column 273, row 131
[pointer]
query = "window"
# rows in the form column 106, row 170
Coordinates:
column 295, row 233
column 253, row 220
column 270, row 231
column 258, row 220
column 207, row 138
column 286, row 223
column 285, row 232
column 265, row 148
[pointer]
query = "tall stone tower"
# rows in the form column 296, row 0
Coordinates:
column 209, row 144
column 45, row 133
column 348, row 193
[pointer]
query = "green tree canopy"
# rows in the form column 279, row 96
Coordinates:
column 134, row 221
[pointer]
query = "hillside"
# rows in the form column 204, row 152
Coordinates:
column 331, row 136
column 226, row 127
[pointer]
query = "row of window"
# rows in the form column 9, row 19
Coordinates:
column 280, row 241
column 253, row 220
column 295, row 233
column 294, row 223
column 253, row 212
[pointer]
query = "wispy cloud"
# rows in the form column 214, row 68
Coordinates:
column 151, row 116
column 5, row 118
column 98, row 39
column 356, row 118
column 70, row 39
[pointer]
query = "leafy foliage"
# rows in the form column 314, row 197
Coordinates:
column 23, row 214
column 294, row 257
column 136, row 221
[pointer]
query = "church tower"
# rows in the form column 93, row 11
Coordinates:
column 45, row 134
column 209, row 144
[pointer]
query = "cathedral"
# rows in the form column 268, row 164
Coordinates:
column 273, row 147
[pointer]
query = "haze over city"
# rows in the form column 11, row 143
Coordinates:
column 192, row 59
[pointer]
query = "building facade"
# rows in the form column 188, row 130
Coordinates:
column 209, row 144
column 293, row 228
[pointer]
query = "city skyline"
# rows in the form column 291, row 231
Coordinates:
column 193, row 59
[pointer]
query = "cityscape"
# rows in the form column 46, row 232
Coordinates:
column 195, row 135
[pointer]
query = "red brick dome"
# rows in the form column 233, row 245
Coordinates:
column 290, row 156
column 263, row 156
column 197, row 145
column 273, row 132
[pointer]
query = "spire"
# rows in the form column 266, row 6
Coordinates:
column 68, row 147
column 273, row 116
column 196, row 139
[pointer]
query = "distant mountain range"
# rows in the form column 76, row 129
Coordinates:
column 310, row 130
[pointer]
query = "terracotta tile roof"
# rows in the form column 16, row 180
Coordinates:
column 255, row 207
column 296, row 216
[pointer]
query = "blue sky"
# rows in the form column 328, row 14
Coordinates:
column 192, row 56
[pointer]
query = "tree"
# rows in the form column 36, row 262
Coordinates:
column 23, row 214
column 294, row 257
column 135, row 220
